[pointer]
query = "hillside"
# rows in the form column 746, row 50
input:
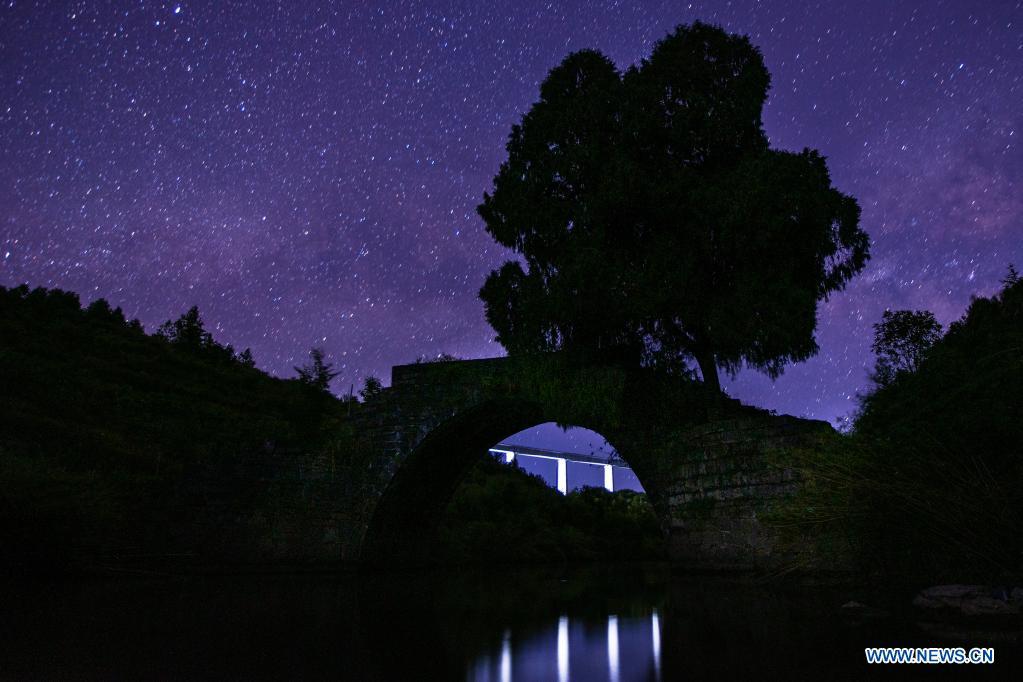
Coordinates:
column 930, row 480
column 102, row 425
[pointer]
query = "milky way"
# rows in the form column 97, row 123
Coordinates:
column 308, row 175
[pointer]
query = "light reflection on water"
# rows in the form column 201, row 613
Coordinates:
column 563, row 649
column 628, row 649
column 630, row 625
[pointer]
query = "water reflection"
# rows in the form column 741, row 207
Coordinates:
column 612, row 648
column 655, row 639
column 627, row 650
column 563, row 649
column 506, row 657
column 514, row 625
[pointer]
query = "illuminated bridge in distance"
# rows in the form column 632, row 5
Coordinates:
column 510, row 451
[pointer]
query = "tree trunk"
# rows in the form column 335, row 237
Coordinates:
column 709, row 370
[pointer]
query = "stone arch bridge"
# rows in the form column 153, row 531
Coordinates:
column 705, row 461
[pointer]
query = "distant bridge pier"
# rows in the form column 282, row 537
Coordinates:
column 510, row 452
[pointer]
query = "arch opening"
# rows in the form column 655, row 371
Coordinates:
column 568, row 458
column 404, row 526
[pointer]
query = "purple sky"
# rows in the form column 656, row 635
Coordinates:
column 309, row 176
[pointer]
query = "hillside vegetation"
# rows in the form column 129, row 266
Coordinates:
column 103, row 426
column 930, row 479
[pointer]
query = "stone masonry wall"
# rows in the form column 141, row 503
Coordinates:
column 722, row 487
column 705, row 467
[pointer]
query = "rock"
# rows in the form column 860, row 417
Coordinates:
column 857, row 610
column 957, row 631
column 987, row 606
column 954, row 591
column 927, row 603
column 948, row 596
column 970, row 600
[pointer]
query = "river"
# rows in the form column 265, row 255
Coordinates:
column 624, row 625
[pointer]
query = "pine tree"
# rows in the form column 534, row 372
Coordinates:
column 317, row 373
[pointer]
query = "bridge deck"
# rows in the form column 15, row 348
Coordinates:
column 556, row 454
column 510, row 451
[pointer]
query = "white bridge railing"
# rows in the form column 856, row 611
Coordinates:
column 510, row 452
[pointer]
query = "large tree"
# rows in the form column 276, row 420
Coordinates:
column 654, row 222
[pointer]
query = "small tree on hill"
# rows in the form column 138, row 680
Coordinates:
column 1011, row 276
column 188, row 331
column 317, row 373
column 245, row 358
column 371, row 388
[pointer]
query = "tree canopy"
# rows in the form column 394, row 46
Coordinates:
column 189, row 334
column 901, row 339
column 654, row 223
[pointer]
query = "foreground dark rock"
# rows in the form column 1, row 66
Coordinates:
column 972, row 600
column 857, row 610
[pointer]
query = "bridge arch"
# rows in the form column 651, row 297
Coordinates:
column 405, row 519
column 701, row 458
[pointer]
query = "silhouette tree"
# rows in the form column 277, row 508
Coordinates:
column 901, row 339
column 371, row 387
column 188, row 331
column 656, row 225
column 245, row 358
column 1011, row 277
column 101, row 310
column 317, row 373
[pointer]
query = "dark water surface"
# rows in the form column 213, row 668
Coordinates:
column 509, row 624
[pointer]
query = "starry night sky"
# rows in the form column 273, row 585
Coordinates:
column 308, row 175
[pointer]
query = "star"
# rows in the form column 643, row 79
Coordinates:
column 309, row 175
